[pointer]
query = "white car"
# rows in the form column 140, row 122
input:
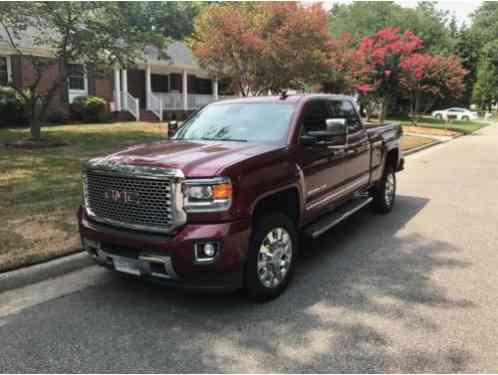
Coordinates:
column 455, row 114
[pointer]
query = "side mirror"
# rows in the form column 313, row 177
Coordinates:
column 335, row 126
column 172, row 128
column 308, row 140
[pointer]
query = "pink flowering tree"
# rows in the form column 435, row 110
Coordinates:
column 434, row 76
column 376, row 66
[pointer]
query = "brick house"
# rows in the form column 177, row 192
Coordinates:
column 152, row 88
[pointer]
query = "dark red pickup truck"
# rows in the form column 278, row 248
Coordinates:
column 224, row 204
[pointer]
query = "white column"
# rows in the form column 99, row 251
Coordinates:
column 9, row 69
column 124, row 82
column 185, row 90
column 148, row 87
column 215, row 89
column 117, row 90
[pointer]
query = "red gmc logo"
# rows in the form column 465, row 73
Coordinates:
column 117, row 196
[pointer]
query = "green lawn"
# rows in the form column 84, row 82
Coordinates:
column 40, row 189
column 464, row 127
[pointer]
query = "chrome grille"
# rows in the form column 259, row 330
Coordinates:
column 136, row 202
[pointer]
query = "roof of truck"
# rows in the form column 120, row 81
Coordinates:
column 294, row 98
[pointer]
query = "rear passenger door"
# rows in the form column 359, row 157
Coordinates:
column 357, row 158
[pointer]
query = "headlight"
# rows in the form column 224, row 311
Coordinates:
column 207, row 195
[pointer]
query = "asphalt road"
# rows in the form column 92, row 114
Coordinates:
column 416, row 290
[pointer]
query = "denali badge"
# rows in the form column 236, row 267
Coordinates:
column 122, row 196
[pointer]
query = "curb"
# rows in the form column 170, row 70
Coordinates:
column 43, row 271
column 423, row 147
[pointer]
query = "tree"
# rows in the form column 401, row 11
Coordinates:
column 486, row 87
column 172, row 19
column 377, row 61
column 363, row 18
column 435, row 76
column 341, row 61
column 94, row 34
column 262, row 47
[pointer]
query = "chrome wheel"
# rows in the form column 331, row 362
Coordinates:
column 390, row 188
column 274, row 257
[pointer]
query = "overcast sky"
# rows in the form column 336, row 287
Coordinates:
column 462, row 9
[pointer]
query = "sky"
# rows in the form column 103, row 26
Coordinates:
column 461, row 9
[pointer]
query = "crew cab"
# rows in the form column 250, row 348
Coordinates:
column 225, row 203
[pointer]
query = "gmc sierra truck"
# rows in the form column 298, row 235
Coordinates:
column 225, row 203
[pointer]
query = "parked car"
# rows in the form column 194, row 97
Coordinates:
column 455, row 114
column 223, row 204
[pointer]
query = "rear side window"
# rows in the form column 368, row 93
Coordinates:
column 344, row 109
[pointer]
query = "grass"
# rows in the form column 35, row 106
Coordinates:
column 464, row 127
column 40, row 189
column 409, row 142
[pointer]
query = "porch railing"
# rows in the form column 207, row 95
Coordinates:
column 174, row 101
column 130, row 104
column 156, row 105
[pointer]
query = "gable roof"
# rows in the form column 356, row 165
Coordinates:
column 178, row 52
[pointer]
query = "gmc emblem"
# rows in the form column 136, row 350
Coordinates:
column 117, row 196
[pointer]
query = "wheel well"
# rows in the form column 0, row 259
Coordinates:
column 286, row 202
column 392, row 158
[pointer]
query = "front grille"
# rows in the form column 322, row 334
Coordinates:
column 134, row 202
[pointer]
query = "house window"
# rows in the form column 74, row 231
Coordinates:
column 4, row 73
column 76, row 77
column 159, row 82
column 176, row 82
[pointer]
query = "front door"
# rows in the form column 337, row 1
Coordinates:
column 321, row 163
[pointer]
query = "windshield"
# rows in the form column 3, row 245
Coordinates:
column 242, row 122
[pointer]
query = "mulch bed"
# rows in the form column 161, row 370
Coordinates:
column 36, row 144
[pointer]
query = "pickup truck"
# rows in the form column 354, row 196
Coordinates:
column 227, row 201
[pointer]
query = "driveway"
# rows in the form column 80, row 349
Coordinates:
column 416, row 290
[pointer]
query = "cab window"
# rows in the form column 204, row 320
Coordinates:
column 315, row 114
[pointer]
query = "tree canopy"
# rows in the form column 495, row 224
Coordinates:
column 262, row 47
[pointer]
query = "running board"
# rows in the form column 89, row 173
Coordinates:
column 328, row 221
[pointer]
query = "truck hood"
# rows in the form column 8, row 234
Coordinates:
column 193, row 158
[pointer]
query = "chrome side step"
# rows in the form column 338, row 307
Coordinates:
column 328, row 221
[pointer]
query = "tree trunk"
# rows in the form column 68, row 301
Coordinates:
column 417, row 107
column 35, row 119
column 383, row 110
column 412, row 108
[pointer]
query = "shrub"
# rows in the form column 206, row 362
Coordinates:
column 88, row 109
column 11, row 108
column 57, row 117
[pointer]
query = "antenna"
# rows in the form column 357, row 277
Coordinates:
column 283, row 95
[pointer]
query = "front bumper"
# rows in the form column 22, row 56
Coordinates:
column 174, row 254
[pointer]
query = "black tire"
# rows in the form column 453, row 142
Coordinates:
column 465, row 118
column 381, row 203
column 439, row 117
column 254, row 287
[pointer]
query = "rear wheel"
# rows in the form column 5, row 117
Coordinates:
column 272, row 254
column 465, row 118
column 439, row 116
column 384, row 194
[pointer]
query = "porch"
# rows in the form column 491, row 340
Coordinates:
column 159, row 89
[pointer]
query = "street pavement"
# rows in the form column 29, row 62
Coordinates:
column 416, row 290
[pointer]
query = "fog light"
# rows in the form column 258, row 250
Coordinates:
column 205, row 252
column 209, row 250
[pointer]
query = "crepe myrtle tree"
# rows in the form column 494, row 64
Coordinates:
column 262, row 47
column 97, row 35
column 376, row 67
column 433, row 75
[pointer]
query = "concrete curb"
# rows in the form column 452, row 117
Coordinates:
column 423, row 147
column 43, row 271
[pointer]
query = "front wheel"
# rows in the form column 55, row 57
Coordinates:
column 272, row 254
column 384, row 193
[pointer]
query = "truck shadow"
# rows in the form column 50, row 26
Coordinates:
column 357, row 291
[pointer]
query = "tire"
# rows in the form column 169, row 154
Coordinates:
column 259, row 284
column 384, row 194
column 465, row 118
column 439, row 117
